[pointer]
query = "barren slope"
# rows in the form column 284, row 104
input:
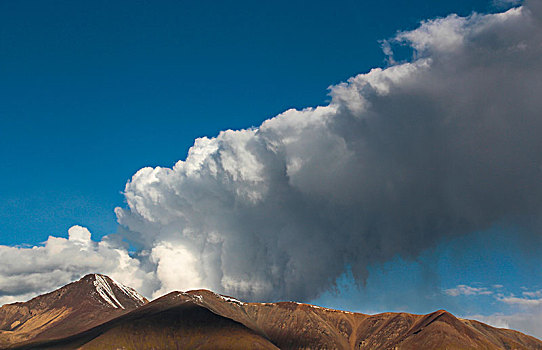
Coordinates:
column 202, row 319
column 170, row 322
column 291, row 325
column 76, row 307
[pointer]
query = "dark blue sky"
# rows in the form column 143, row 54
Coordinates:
column 93, row 91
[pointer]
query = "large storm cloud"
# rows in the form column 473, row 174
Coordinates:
column 443, row 144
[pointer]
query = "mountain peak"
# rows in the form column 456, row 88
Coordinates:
column 94, row 288
column 109, row 290
column 93, row 299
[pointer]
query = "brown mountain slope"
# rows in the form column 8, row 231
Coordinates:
column 204, row 320
column 78, row 306
column 292, row 325
column 170, row 322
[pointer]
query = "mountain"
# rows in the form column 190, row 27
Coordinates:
column 170, row 322
column 201, row 319
column 291, row 325
column 205, row 320
column 76, row 307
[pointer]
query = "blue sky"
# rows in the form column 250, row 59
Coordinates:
column 91, row 92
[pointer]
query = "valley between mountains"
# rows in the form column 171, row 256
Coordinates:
column 96, row 312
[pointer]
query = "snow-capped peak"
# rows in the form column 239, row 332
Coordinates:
column 130, row 292
column 111, row 291
column 106, row 292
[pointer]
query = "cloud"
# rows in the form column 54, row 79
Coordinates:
column 175, row 265
column 28, row 271
column 401, row 159
column 504, row 4
column 526, row 314
column 527, row 319
column 529, row 323
column 467, row 290
column 521, row 301
column 535, row 294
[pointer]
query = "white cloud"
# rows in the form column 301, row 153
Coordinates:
column 521, row 301
column 526, row 322
column 28, row 271
column 79, row 234
column 175, row 265
column 439, row 35
column 467, row 290
column 535, row 294
column 529, row 299
column 526, row 314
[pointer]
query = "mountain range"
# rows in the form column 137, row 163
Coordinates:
column 98, row 313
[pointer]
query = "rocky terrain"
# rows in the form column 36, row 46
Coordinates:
column 202, row 319
column 76, row 307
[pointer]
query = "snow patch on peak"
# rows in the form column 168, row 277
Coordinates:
column 132, row 293
column 231, row 300
column 199, row 298
column 228, row 299
column 106, row 292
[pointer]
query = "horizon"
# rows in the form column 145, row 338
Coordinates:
column 365, row 157
column 196, row 290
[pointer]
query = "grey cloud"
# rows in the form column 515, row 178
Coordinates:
column 401, row 158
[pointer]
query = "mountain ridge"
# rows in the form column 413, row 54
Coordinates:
column 202, row 319
column 75, row 307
